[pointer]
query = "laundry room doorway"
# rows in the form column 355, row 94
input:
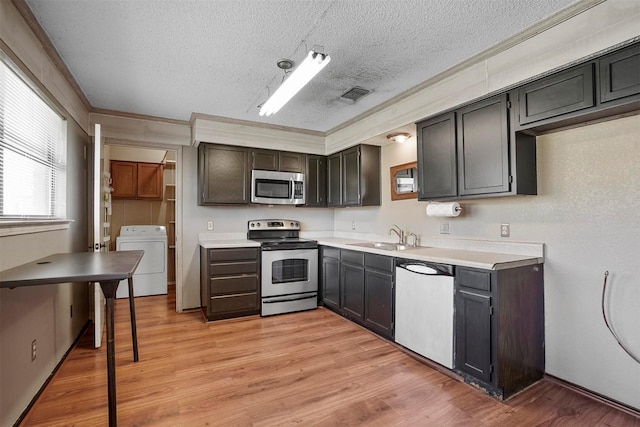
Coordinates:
column 143, row 193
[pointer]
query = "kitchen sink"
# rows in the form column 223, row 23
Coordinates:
column 382, row 245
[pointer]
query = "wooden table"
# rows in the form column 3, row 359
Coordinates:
column 107, row 268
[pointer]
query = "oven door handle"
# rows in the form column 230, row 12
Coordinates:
column 294, row 298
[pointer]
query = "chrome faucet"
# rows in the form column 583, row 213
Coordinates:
column 399, row 232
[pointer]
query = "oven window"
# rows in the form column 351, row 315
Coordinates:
column 273, row 189
column 290, row 270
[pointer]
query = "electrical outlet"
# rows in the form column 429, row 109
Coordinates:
column 34, row 347
column 444, row 228
column 353, row 225
column 210, row 225
column 505, row 230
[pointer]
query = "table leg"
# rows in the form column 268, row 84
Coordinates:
column 132, row 313
column 109, row 290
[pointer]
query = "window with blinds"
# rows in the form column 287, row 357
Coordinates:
column 33, row 150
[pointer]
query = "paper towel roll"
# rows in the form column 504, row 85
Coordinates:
column 444, row 209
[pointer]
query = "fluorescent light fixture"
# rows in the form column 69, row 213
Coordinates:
column 312, row 64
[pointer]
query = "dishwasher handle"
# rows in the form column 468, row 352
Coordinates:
column 427, row 269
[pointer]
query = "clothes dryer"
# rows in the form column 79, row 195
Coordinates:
column 150, row 277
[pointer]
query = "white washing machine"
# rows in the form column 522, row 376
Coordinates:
column 150, row 277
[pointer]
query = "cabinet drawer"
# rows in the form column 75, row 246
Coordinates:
column 230, row 303
column 233, row 268
column 561, row 93
column 476, row 279
column 379, row 262
column 233, row 254
column 330, row 252
column 352, row 257
column 233, row 285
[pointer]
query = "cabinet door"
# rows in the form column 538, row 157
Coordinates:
column 473, row 334
column 267, row 160
column 437, row 173
column 353, row 291
column 620, row 74
column 351, row 177
column 223, row 175
column 331, row 282
column 378, row 309
column 150, row 181
column 558, row 94
column 334, row 184
column 483, row 147
column 291, row 162
column 124, row 177
column 316, row 181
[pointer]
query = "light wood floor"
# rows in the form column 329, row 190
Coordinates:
column 305, row 369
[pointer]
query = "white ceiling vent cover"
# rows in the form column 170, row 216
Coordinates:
column 353, row 94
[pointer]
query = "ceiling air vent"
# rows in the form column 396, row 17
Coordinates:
column 353, row 94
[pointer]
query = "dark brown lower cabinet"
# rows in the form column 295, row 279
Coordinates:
column 359, row 286
column 229, row 282
column 352, row 281
column 379, row 281
column 330, row 278
column 499, row 332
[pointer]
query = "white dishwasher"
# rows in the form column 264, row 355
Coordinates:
column 424, row 309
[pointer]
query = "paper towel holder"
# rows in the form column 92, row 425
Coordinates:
column 448, row 209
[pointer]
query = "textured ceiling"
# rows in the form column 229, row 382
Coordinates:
column 218, row 57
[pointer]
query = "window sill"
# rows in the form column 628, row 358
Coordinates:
column 17, row 227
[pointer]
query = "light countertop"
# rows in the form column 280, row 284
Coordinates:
column 233, row 243
column 461, row 257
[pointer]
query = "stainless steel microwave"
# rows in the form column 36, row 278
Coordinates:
column 277, row 188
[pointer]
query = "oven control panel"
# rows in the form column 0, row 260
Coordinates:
column 274, row 224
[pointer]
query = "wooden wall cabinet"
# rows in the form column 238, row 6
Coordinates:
column 472, row 152
column 316, row 181
column 229, row 282
column 223, row 175
column 602, row 87
column 353, row 177
column 133, row 180
column 499, row 332
column 273, row 160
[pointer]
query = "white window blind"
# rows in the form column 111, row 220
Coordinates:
column 33, row 151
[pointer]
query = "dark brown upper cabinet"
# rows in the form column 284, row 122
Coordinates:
column 223, row 175
column 267, row 160
column 273, row 160
column 316, row 181
column 354, row 177
column 483, row 147
column 620, row 74
column 558, row 94
column 134, row 180
column 599, row 88
column 334, row 180
column 472, row 152
column 437, row 161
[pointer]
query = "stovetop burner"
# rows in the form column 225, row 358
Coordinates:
column 278, row 234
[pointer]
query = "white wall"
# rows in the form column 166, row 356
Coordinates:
column 586, row 213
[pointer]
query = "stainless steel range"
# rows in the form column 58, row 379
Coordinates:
column 289, row 266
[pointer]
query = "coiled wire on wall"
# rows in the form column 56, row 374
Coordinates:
column 606, row 322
